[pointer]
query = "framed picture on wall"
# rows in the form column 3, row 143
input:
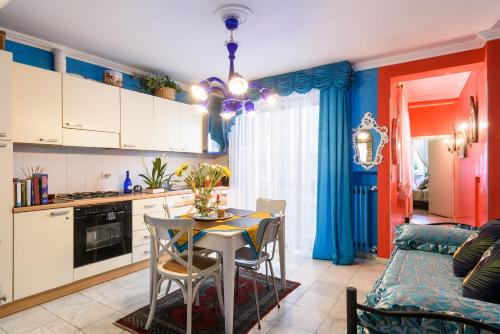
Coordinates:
column 473, row 121
column 395, row 142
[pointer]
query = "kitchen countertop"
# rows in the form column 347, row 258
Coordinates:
column 102, row 200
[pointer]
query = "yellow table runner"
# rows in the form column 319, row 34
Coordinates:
column 203, row 227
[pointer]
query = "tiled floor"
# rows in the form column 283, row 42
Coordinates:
column 92, row 311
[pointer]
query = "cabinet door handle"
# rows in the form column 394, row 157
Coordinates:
column 76, row 125
column 146, row 252
column 3, row 135
column 3, row 145
column 147, row 237
column 49, row 140
column 128, row 145
column 59, row 213
column 149, row 206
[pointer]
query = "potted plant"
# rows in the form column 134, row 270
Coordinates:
column 157, row 177
column 159, row 85
column 202, row 180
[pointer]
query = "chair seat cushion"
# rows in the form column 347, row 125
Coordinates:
column 199, row 261
column 468, row 255
column 245, row 257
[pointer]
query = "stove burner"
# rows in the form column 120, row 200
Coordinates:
column 88, row 195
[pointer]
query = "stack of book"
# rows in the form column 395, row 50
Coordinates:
column 31, row 191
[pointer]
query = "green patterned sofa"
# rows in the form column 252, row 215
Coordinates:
column 418, row 292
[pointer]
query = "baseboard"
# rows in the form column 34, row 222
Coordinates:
column 46, row 296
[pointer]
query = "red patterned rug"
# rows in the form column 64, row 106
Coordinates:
column 170, row 314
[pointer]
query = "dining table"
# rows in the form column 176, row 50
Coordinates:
column 227, row 243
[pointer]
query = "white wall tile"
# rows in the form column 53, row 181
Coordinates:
column 76, row 169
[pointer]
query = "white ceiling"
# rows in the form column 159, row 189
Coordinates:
column 184, row 39
column 436, row 88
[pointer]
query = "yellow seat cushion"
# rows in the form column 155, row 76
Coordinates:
column 199, row 261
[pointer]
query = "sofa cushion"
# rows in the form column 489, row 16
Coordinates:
column 430, row 238
column 412, row 267
column 421, row 298
column 469, row 253
column 483, row 282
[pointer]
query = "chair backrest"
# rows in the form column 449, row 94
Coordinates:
column 275, row 206
column 268, row 233
column 162, row 242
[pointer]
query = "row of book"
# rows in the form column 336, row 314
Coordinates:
column 31, row 191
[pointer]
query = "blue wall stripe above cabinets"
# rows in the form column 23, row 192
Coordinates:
column 364, row 99
column 30, row 55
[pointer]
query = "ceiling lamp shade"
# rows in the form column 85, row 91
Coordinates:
column 235, row 92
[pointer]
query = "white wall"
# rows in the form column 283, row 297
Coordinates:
column 74, row 169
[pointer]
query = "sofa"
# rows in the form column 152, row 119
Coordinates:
column 418, row 291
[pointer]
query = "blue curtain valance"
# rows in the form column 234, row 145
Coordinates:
column 321, row 77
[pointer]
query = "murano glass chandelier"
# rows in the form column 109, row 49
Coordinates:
column 235, row 92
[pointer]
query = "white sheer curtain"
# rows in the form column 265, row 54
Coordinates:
column 274, row 154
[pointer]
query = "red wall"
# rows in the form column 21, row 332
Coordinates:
column 493, row 75
column 433, row 118
column 470, row 202
column 391, row 210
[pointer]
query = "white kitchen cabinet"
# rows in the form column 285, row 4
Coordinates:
column 141, row 236
column 6, row 234
column 90, row 105
column 192, row 129
column 167, row 125
column 36, row 105
column 43, row 250
column 177, row 127
column 136, row 121
column 5, row 95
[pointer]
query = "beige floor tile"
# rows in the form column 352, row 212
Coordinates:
column 361, row 284
column 284, row 328
column 79, row 310
column 26, row 321
column 304, row 318
column 338, row 277
column 57, row 326
column 338, row 311
column 105, row 326
column 327, row 289
column 316, row 302
column 332, row 326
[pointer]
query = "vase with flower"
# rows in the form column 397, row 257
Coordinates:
column 202, row 180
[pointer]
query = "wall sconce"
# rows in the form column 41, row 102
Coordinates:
column 458, row 141
column 466, row 133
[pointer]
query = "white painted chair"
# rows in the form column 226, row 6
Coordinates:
column 274, row 206
column 188, row 270
column 245, row 257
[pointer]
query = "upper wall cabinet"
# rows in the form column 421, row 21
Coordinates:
column 192, row 129
column 167, row 125
column 136, row 121
column 36, row 105
column 5, row 95
column 177, row 127
column 90, row 105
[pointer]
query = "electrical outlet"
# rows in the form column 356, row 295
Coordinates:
column 106, row 175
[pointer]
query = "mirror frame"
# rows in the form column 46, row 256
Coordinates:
column 369, row 123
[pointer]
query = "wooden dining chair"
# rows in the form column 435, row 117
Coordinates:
column 188, row 270
column 267, row 233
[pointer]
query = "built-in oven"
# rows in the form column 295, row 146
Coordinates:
column 102, row 232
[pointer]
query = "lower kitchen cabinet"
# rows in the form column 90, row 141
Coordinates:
column 43, row 250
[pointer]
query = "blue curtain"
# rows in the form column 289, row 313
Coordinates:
column 334, row 236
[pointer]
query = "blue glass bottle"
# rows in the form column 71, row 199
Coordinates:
column 127, row 185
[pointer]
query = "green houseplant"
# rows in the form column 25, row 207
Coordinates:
column 159, row 85
column 156, row 178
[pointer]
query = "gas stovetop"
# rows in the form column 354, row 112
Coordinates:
column 87, row 195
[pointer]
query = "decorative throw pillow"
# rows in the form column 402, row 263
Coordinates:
column 467, row 256
column 483, row 282
column 430, row 238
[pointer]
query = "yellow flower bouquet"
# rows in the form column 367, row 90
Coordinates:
column 202, row 180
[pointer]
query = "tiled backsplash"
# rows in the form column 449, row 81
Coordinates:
column 73, row 169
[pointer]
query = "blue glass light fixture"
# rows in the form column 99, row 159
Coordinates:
column 235, row 92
